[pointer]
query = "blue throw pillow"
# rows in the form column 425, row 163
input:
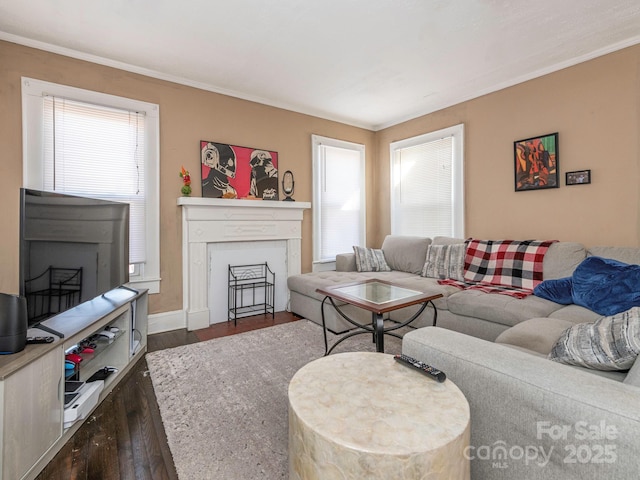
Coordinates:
column 557, row 290
column 606, row 286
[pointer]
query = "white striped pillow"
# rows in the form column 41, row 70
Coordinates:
column 445, row 261
column 610, row 343
column 370, row 260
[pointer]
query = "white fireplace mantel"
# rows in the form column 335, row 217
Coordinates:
column 213, row 220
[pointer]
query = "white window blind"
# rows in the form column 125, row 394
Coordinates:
column 338, row 198
column 99, row 152
column 427, row 188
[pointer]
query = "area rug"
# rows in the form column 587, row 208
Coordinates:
column 223, row 402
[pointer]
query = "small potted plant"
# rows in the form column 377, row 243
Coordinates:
column 186, row 182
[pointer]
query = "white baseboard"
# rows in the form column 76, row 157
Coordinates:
column 166, row 321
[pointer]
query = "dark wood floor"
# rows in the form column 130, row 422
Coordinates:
column 124, row 438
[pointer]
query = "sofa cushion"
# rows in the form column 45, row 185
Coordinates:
column 370, row 260
column 346, row 262
column 562, row 258
column 405, row 253
column 536, row 334
column 622, row 254
column 606, row 286
column 557, row 290
column 611, row 343
column 575, row 314
column 428, row 285
column 502, row 309
column 445, row 261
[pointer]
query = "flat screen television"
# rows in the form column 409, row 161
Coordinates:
column 72, row 249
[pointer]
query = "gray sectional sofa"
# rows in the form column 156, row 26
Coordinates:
column 472, row 312
column 532, row 418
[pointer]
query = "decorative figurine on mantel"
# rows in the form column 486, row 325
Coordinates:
column 186, row 182
column 287, row 186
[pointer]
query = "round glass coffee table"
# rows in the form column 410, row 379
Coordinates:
column 363, row 415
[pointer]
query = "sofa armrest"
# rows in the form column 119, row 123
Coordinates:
column 346, row 262
column 566, row 423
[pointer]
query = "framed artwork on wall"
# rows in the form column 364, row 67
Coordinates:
column 580, row 177
column 231, row 171
column 536, row 163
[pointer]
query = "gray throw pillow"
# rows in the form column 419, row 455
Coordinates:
column 405, row 253
column 445, row 261
column 610, row 343
column 370, row 260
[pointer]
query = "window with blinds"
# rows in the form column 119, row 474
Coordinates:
column 93, row 144
column 96, row 151
column 427, row 185
column 339, row 205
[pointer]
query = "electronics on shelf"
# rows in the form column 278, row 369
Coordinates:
column 83, row 403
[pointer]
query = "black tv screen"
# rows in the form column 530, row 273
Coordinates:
column 72, row 249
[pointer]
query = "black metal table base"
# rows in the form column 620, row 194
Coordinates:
column 377, row 328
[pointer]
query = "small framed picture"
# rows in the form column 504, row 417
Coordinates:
column 580, row 177
column 536, row 163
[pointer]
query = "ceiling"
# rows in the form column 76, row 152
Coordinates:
column 369, row 63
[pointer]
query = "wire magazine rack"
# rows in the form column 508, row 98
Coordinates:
column 251, row 291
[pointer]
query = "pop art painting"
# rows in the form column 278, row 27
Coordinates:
column 231, row 171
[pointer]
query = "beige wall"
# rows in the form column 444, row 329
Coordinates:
column 187, row 115
column 593, row 106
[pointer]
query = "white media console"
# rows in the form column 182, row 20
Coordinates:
column 34, row 423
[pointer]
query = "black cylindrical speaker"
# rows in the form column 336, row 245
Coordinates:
column 13, row 323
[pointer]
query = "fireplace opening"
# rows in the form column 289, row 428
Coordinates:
column 221, row 255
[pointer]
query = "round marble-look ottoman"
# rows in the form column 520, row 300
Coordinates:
column 363, row 415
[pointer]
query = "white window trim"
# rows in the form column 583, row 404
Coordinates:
column 457, row 191
column 317, row 140
column 32, row 174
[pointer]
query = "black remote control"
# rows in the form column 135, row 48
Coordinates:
column 31, row 340
column 423, row 367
